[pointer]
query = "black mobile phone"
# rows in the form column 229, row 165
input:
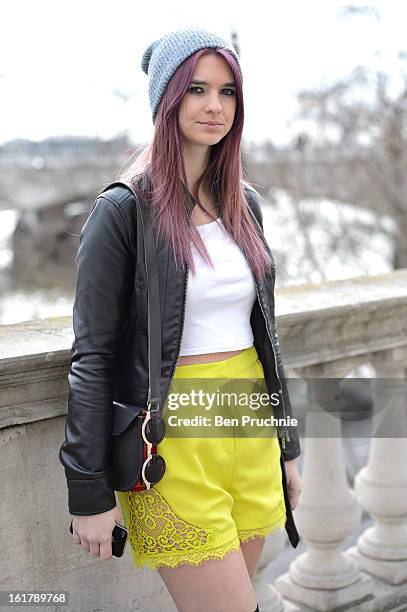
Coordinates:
column 119, row 538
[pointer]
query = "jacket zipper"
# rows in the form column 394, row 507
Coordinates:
column 284, row 430
column 180, row 338
column 284, row 436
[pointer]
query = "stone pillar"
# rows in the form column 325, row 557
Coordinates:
column 323, row 578
column 382, row 484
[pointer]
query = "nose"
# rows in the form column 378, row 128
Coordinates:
column 213, row 103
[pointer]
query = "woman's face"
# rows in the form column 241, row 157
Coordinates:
column 213, row 101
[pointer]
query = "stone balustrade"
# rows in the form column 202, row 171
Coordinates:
column 325, row 331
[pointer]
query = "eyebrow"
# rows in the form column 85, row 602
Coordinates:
column 205, row 83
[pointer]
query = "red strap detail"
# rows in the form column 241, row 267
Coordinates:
column 140, row 485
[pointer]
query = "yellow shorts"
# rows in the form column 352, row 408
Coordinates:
column 215, row 493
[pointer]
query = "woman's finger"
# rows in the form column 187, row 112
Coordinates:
column 76, row 537
column 94, row 549
column 85, row 545
column 293, row 497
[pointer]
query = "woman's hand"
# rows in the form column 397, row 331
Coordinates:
column 94, row 533
column 294, row 482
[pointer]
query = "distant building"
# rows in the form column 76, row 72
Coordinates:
column 64, row 146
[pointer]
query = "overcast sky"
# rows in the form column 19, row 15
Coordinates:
column 61, row 62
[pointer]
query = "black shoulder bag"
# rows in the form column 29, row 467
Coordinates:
column 134, row 462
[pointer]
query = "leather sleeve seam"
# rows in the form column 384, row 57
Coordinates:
column 123, row 216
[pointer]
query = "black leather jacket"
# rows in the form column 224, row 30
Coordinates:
column 110, row 349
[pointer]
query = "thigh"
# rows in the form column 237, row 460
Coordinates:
column 222, row 584
column 251, row 550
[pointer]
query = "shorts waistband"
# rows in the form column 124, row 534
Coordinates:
column 245, row 358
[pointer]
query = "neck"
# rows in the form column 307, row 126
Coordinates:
column 196, row 160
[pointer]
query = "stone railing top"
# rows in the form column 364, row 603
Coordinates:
column 343, row 319
column 357, row 291
column 45, row 338
column 353, row 315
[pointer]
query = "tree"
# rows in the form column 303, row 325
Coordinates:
column 362, row 137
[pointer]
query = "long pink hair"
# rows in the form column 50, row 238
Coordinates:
column 171, row 202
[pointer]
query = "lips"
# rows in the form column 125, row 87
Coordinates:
column 209, row 123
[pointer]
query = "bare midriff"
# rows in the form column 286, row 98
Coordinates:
column 206, row 357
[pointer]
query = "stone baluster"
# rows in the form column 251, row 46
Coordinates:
column 323, row 578
column 269, row 599
column 381, row 485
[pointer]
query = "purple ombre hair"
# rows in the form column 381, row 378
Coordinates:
column 171, row 202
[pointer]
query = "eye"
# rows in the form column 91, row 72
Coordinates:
column 193, row 89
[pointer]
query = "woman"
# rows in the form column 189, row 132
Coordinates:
column 203, row 524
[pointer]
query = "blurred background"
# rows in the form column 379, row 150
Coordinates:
column 324, row 140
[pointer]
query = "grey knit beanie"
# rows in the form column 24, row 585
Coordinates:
column 164, row 55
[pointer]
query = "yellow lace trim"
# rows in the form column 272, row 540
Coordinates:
column 261, row 532
column 159, row 536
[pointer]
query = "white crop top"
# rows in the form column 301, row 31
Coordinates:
column 219, row 301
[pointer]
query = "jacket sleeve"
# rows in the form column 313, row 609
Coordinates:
column 292, row 447
column 104, row 268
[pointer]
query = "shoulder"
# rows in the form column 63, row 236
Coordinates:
column 119, row 198
column 118, row 194
column 125, row 197
column 113, row 216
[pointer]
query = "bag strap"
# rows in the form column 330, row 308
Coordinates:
column 154, row 317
